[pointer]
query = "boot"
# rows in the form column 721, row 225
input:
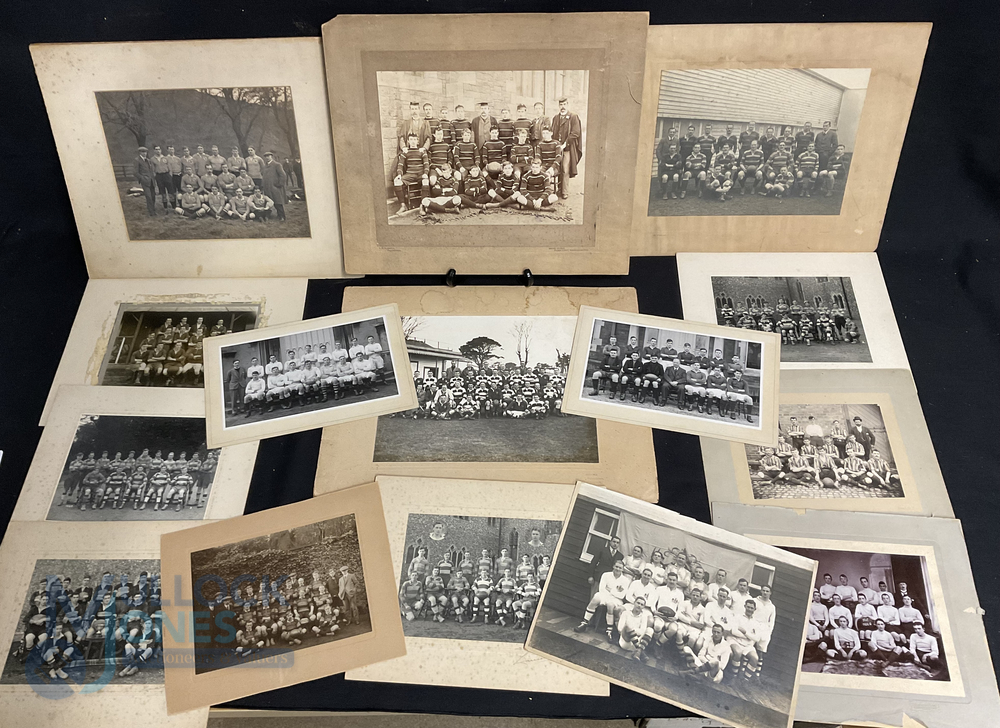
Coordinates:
column 642, row 395
column 701, row 403
column 595, row 383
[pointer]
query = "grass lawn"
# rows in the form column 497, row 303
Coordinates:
column 554, row 439
column 452, row 630
column 747, row 204
column 168, row 225
column 821, row 351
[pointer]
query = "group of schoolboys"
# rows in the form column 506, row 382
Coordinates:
column 472, row 394
column 665, row 608
column 172, row 355
column 697, row 379
column 768, row 165
column 210, row 185
column 445, row 167
column 796, row 323
column 117, row 623
column 100, row 482
column 307, row 378
column 814, row 458
column 482, row 589
column 289, row 613
column 865, row 625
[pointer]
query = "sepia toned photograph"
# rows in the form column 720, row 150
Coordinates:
column 206, row 163
column 311, row 369
column 161, row 345
column 675, row 609
column 755, row 141
column 484, row 147
column 136, row 468
column 873, row 615
column 474, row 578
column 88, row 622
column 307, row 588
column 489, row 389
column 818, row 317
column 826, row 450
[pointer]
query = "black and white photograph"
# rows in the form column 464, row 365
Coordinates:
column 136, row 469
column 873, row 615
column 490, row 389
column 484, row 147
column 206, row 163
column 474, row 578
column 88, row 623
column 675, row 609
column 160, row 345
column 755, row 141
column 306, row 587
column 691, row 373
column 316, row 369
column 817, row 316
column 826, row 450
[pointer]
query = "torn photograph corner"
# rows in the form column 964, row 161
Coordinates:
column 675, row 609
column 305, row 375
column 674, row 375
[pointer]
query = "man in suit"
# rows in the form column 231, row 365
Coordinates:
column 540, row 122
column 864, row 435
column 415, row 125
column 274, row 181
column 605, row 560
column 236, row 384
column 567, row 130
column 482, row 124
column 145, row 174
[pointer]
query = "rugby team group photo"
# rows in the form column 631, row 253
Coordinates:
column 136, row 468
column 520, row 150
column 306, row 371
column 735, row 136
column 280, row 592
column 469, row 577
column 206, row 163
column 706, row 376
column 818, row 317
column 83, row 619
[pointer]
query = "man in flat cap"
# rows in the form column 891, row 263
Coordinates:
column 566, row 130
column 145, row 174
column 482, row 124
column 274, row 181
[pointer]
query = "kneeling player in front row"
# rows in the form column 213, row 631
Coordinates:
column 536, row 189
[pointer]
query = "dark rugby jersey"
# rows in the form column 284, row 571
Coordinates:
column 736, row 385
column 506, row 186
column 808, row 161
column 802, row 140
column 716, row 381
column 466, row 154
column 475, row 186
column 521, row 154
column 492, row 151
column 445, row 186
column 549, row 153
column 747, row 137
column 653, row 367
column 708, row 143
column 412, row 162
column 440, row 153
column 769, row 145
column 449, row 133
column 779, row 159
column 632, row 367
column 522, row 123
column 535, row 184
column 671, row 163
column 697, row 162
column 433, row 584
column 458, row 127
column 732, row 141
column 725, row 160
column 789, row 141
column 753, row 157
column 836, row 163
column 686, row 145
column 506, row 127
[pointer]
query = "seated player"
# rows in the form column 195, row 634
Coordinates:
column 751, row 169
column 277, row 390
column 608, row 372
column 669, row 170
column 475, row 189
column 610, row 594
column 717, row 184
column 524, row 606
column 716, row 390
column 549, row 152
column 924, row 648
column 506, row 187
column 444, row 192
column 865, row 616
column 364, row 373
column 190, row 205
column 293, row 381
column 694, row 388
column 435, row 596
column 410, row 174
column 836, row 168
column 261, row 206
column 465, row 155
column 882, row 646
column 458, row 594
column 254, row 392
column 503, row 597
column 245, row 184
column 634, row 628
column 779, row 185
column 482, row 588
column 712, row 658
column 725, row 162
column 346, row 377
column 807, row 171
column 536, row 190
column 238, row 207
column 521, row 154
column 746, row 633
column 439, row 154
column 695, row 168
column 846, row 643
column 492, row 154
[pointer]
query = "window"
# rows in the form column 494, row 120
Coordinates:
column 838, row 300
column 603, row 526
column 818, row 300
column 491, row 521
column 763, row 575
column 821, row 279
column 411, row 551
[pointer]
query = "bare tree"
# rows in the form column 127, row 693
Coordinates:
column 411, row 325
column 126, row 111
column 522, row 332
column 279, row 100
column 562, row 361
column 243, row 107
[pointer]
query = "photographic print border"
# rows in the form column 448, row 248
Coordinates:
column 969, row 658
column 608, row 45
column 697, row 529
column 893, row 51
column 219, row 434
column 695, row 272
column 71, row 73
column 467, row 663
column 230, row 486
column 893, row 390
column 578, row 402
column 26, row 543
column 186, row 690
column 627, row 463
column 280, row 300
